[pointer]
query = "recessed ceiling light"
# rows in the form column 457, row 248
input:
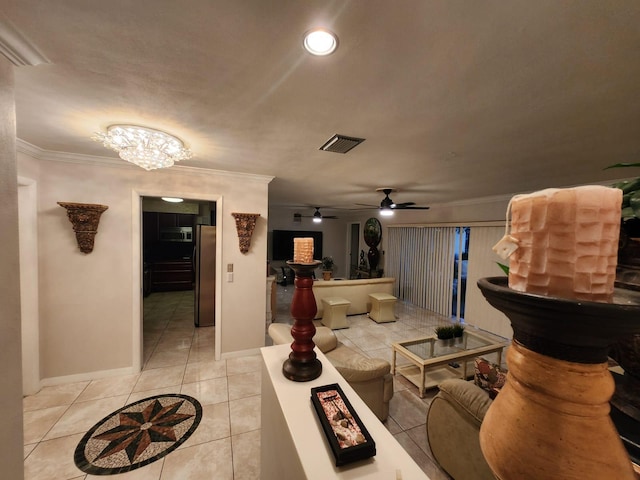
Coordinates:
column 172, row 199
column 320, row 41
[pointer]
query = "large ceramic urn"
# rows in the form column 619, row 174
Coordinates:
column 551, row 419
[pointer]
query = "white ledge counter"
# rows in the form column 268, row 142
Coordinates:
column 293, row 444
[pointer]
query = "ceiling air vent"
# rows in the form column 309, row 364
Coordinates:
column 341, row 143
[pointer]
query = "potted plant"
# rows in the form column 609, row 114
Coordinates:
column 445, row 333
column 627, row 350
column 458, row 330
column 629, row 249
column 327, row 268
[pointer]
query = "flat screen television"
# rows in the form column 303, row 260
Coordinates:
column 283, row 243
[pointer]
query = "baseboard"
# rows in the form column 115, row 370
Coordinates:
column 83, row 377
column 240, row 353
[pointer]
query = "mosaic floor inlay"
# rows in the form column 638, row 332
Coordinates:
column 138, row 434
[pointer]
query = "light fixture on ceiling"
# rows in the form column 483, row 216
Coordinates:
column 387, row 206
column 146, row 147
column 172, row 199
column 317, row 216
column 320, row 42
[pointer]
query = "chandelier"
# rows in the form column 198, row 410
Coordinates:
column 142, row 146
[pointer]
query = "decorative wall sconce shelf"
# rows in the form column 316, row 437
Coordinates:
column 245, row 224
column 84, row 218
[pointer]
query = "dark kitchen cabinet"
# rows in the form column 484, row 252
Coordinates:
column 167, row 276
column 154, row 222
column 167, row 220
column 150, row 228
column 185, row 220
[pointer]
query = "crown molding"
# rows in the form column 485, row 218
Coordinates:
column 17, row 48
column 95, row 160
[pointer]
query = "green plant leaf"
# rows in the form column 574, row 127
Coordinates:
column 634, row 203
column 444, row 332
column 632, row 186
column 505, row 268
column 627, row 212
column 622, row 165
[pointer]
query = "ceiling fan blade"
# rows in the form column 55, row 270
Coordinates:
column 367, row 205
column 411, row 208
column 403, row 205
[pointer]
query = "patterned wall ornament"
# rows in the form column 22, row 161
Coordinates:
column 245, row 224
column 85, row 218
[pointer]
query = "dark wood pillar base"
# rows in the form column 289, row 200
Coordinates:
column 302, row 364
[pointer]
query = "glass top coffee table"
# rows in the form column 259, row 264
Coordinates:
column 433, row 360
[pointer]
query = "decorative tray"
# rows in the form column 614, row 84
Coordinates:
column 349, row 439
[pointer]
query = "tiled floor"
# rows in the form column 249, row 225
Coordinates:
column 407, row 411
column 180, row 359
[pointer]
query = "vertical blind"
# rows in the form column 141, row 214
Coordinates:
column 422, row 261
column 483, row 262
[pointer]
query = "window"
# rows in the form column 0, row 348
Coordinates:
column 438, row 267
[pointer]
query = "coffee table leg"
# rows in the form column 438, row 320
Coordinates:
column 393, row 361
column 421, row 382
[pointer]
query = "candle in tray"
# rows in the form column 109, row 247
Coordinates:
column 567, row 242
column 303, row 250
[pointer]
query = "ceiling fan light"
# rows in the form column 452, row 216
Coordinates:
column 317, row 219
column 386, row 212
column 172, row 199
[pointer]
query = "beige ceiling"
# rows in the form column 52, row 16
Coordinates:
column 457, row 99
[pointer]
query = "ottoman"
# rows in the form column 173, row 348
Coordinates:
column 382, row 305
column 334, row 312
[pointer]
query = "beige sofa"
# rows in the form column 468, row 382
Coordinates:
column 356, row 291
column 453, row 429
column 369, row 377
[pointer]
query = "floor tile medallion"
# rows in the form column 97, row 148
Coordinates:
column 138, row 434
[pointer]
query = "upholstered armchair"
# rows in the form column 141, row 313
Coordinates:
column 369, row 377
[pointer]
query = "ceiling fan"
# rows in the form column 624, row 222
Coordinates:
column 317, row 216
column 387, row 206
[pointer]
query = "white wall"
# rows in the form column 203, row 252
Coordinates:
column 11, row 453
column 28, row 233
column 90, row 303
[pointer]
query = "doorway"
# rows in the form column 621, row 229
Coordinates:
column 165, row 333
column 173, row 297
column 354, row 249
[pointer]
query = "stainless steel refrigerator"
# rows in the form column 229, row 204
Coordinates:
column 204, row 266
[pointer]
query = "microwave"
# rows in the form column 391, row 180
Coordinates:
column 176, row 234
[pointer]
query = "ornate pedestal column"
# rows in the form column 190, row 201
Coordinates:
column 551, row 420
column 302, row 364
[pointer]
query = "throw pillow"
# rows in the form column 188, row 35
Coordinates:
column 489, row 376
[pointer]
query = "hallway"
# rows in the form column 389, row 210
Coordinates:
column 178, row 358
